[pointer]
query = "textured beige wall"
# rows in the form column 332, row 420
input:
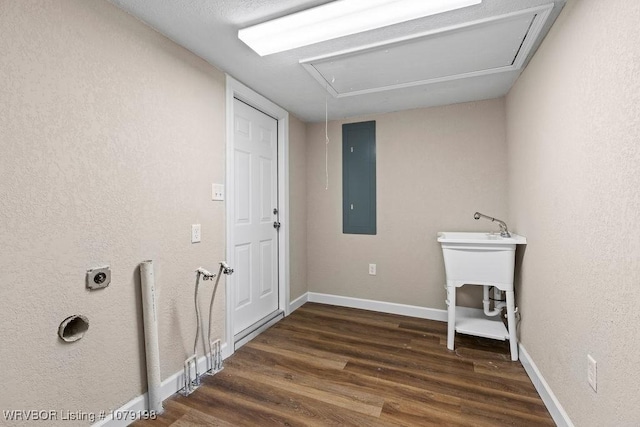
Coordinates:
column 298, row 207
column 574, row 154
column 111, row 136
column 435, row 168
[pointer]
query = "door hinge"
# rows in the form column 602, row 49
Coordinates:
column 276, row 223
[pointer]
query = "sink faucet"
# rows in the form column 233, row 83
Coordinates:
column 504, row 232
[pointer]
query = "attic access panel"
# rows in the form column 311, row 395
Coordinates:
column 492, row 45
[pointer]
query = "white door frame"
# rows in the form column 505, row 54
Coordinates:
column 235, row 89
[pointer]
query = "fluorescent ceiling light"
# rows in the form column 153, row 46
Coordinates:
column 337, row 19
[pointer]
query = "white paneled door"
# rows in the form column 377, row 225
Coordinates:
column 255, row 247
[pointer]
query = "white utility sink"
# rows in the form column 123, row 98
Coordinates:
column 480, row 238
column 479, row 258
column 486, row 259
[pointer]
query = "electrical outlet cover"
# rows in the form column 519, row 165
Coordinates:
column 196, row 233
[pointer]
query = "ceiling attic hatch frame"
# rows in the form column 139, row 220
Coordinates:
column 497, row 44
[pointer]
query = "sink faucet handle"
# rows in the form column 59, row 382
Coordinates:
column 504, row 232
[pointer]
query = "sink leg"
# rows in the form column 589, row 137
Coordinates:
column 451, row 312
column 511, row 322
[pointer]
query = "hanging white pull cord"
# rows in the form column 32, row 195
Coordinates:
column 326, row 143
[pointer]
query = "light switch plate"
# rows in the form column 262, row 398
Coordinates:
column 217, row 192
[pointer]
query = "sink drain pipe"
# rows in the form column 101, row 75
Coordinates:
column 498, row 303
column 151, row 336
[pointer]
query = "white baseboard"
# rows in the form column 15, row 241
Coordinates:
column 380, row 306
column 298, row 302
column 121, row 417
column 550, row 401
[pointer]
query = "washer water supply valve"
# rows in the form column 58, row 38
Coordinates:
column 214, row 356
column 225, row 269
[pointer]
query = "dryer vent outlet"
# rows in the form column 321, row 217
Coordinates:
column 73, row 328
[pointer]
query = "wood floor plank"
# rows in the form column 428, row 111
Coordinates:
column 424, row 325
column 358, row 383
column 325, row 365
column 372, row 320
column 240, row 403
column 350, row 331
column 416, row 413
column 368, row 349
column 332, row 395
column 405, row 356
column 259, row 361
column 485, row 362
column 312, row 357
column 195, row 418
column 439, row 409
column 283, row 405
column 505, row 416
column 353, row 313
column 451, row 386
column 299, row 377
column 430, row 329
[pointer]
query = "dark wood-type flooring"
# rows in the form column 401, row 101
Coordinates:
column 336, row 366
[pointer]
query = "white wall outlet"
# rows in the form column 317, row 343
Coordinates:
column 196, row 233
column 372, row 269
column 217, row 192
column 592, row 373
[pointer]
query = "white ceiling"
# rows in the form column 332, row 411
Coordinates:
column 209, row 29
